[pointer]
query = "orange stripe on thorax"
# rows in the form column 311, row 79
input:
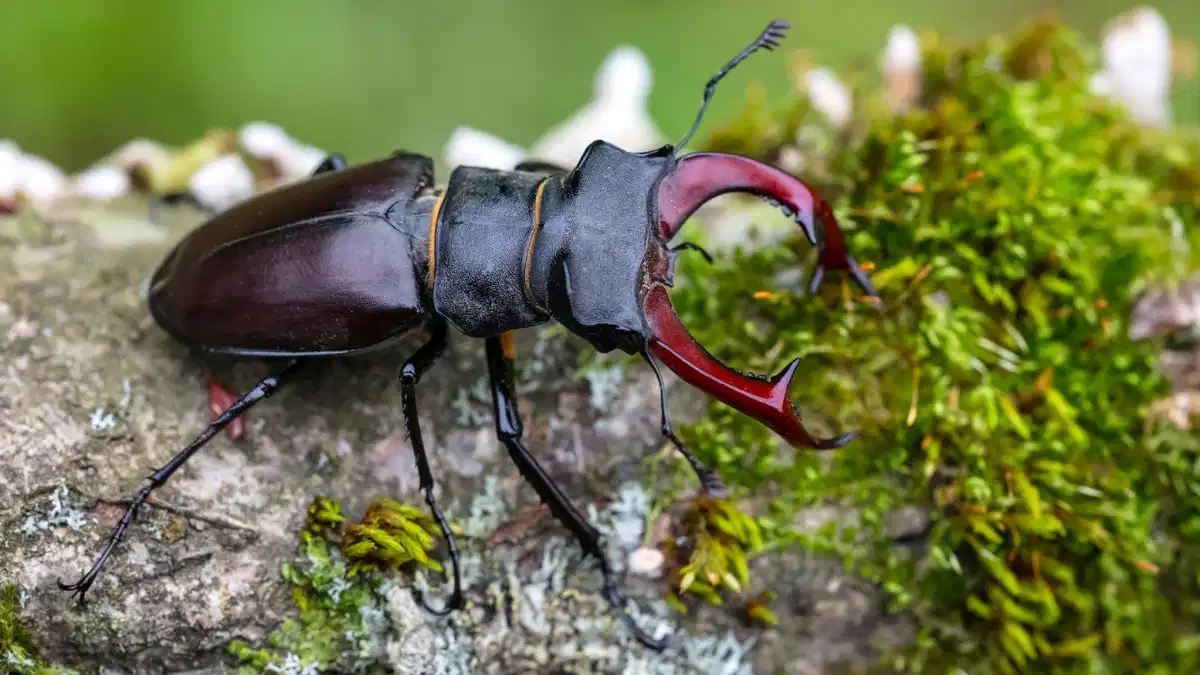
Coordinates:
column 537, row 225
column 433, row 223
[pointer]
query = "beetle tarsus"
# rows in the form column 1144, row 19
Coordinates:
column 410, row 375
column 264, row 389
column 509, row 429
column 613, row 596
column 691, row 246
column 853, row 269
column 710, row 480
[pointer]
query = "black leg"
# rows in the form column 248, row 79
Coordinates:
column 333, row 162
column 264, row 389
column 689, row 246
column 175, row 199
column 538, row 166
column 708, row 478
column 509, row 429
column 409, row 376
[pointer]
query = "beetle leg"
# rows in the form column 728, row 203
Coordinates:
column 174, row 199
column 264, row 389
column 409, row 376
column 334, row 161
column 690, row 246
column 510, row 429
column 538, row 166
column 709, row 479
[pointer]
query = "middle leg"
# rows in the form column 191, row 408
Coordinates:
column 510, row 429
column 414, row 367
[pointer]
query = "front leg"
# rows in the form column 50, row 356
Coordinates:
column 409, row 377
column 710, row 480
column 261, row 392
column 510, row 429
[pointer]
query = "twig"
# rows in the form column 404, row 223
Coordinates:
column 218, row 520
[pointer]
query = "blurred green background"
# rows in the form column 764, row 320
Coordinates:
column 80, row 77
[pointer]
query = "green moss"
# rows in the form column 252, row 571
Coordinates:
column 1012, row 219
column 17, row 653
column 390, row 535
column 337, row 602
column 715, row 540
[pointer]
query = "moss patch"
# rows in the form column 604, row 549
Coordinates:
column 1012, row 219
column 17, row 653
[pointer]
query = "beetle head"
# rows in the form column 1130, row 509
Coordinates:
column 686, row 185
column 692, row 181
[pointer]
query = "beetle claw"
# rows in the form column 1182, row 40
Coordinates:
column 613, row 596
column 456, row 602
column 78, row 589
column 852, row 268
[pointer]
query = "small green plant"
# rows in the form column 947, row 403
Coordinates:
column 717, row 538
column 335, row 585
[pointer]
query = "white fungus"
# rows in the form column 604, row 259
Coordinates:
column 471, row 147
column 901, row 67
column 619, row 112
column 1136, row 50
column 269, row 142
column 828, row 95
column 103, row 182
column 222, row 182
column 33, row 178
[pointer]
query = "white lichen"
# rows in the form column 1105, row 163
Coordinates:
column 292, row 665
column 472, row 405
column 604, row 384
column 338, row 586
column 62, row 513
column 102, row 420
column 487, row 509
column 534, row 614
column 19, row 661
column 126, row 394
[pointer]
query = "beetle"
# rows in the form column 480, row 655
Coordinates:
column 354, row 258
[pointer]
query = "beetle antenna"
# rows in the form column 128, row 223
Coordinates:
column 769, row 39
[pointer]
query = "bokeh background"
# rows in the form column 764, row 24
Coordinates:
column 80, row 77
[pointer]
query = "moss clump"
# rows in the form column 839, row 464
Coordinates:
column 390, row 535
column 1013, row 219
column 715, row 539
column 337, row 598
column 17, row 653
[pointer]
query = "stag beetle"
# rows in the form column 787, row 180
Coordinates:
column 351, row 259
